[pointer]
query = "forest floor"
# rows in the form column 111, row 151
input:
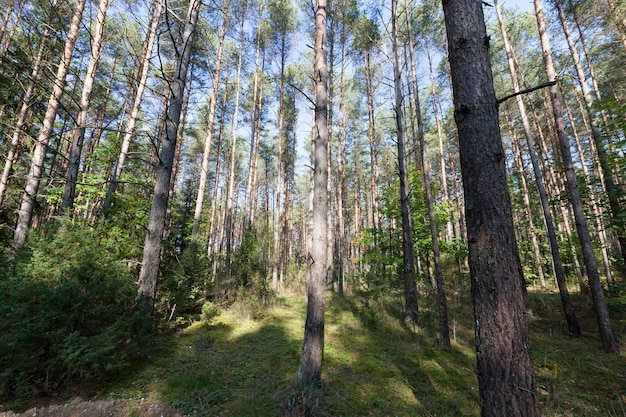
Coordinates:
column 244, row 364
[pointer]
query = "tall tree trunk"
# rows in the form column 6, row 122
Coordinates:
column 43, row 139
column 559, row 272
column 78, row 136
column 231, row 197
column 505, row 372
column 609, row 343
column 152, row 247
column 278, row 212
column 371, row 132
column 254, row 139
column 410, row 286
column 606, row 172
column 134, row 111
column 204, row 169
column 310, row 370
column 444, row 330
column 24, row 110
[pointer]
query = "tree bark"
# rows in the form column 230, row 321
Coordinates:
column 134, row 111
column 444, row 330
column 609, row 343
column 310, row 371
column 26, row 101
column 78, row 137
column 204, row 169
column 505, row 372
column 410, row 286
column 152, row 247
column 33, row 180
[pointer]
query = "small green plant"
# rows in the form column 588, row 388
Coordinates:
column 209, row 312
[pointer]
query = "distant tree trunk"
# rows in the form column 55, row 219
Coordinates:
column 371, row 132
column 618, row 19
column 559, row 271
column 212, row 236
column 444, row 330
column 41, row 145
column 204, row 169
column 606, row 172
column 505, row 371
column 410, row 286
column 78, row 136
column 254, row 138
column 7, row 38
column 231, row 197
column 609, row 343
column 26, row 102
column 144, row 67
column 310, row 370
column 152, row 247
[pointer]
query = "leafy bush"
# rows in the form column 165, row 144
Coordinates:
column 209, row 311
column 66, row 306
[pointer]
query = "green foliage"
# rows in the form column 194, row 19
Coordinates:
column 66, row 305
column 249, row 264
column 209, row 311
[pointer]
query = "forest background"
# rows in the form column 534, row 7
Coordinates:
column 156, row 169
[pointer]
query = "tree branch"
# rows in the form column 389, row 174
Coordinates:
column 528, row 90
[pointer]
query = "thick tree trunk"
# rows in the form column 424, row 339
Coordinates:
column 33, row 180
column 134, row 111
column 310, row 371
column 152, row 247
column 78, row 136
column 204, row 168
column 505, row 372
column 609, row 343
column 410, row 286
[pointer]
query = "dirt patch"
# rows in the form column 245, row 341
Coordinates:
column 99, row 408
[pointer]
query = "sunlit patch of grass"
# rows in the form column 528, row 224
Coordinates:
column 375, row 364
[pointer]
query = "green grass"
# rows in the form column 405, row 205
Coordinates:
column 245, row 362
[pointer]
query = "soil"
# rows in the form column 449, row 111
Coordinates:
column 99, row 408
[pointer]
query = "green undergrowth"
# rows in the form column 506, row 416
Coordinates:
column 244, row 362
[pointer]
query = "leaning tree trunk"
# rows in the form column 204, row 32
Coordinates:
column 78, row 137
column 134, row 112
column 505, row 371
column 28, row 96
column 606, row 171
column 609, row 343
column 410, row 286
column 41, row 145
column 310, row 371
column 152, row 247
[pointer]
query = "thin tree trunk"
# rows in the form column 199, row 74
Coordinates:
column 505, row 372
column 27, row 205
column 606, row 172
column 24, row 110
column 310, row 370
column 609, row 343
column 371, row 117
column 444, row 330
column 152, row 247
column 78, row 138
column 231, row 197
column 410, row 287
column 559, row 271
column 134, row 111
column 204, row 169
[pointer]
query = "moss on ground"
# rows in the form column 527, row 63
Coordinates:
column 245, row 362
